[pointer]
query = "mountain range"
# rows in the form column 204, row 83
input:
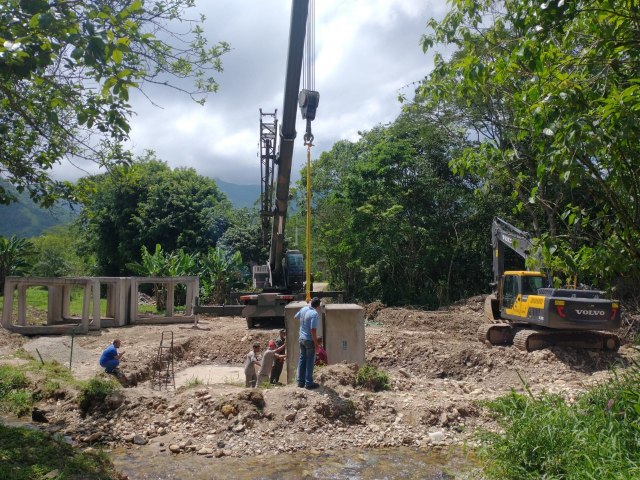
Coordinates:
column 25, row 219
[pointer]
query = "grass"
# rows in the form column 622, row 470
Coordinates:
column 372, row 378
column 597, row 437
column 193, row 382
column 94, row 391
column 27, row 454
column 17, row 389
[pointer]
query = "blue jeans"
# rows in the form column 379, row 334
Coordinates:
column 305, row 363
column 110, row 365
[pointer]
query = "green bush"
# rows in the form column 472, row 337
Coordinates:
column 371, row 378
column 94, row 391
column 11, row 379
column 13, row 398
column 544, row 437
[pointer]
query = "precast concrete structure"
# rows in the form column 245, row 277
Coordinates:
column 169, row 284
column 342, row 328
column 59, row 319
column 122, row 303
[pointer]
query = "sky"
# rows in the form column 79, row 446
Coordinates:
column 367, row 51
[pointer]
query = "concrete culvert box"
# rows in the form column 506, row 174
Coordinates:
column 342, row 328
column 344, row 333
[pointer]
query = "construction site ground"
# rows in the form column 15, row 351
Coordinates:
column 439, row 372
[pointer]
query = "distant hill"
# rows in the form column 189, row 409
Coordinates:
column 26, row 219
column 240, row 195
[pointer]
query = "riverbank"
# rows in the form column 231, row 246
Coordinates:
column 440, row 375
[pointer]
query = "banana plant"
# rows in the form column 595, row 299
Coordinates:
column 220, row 273
column 14, row 257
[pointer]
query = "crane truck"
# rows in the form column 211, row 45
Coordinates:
column 527, row 311
column 282, row 278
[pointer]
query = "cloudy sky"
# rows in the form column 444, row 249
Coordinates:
column 366, row 52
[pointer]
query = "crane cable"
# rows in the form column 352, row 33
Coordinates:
column 308, row 81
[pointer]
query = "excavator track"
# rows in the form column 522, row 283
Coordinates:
column 529, row 340
column 496, row 333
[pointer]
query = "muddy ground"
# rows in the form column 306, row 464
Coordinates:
column 439, row 375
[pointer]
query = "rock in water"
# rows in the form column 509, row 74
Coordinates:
column 38, row 415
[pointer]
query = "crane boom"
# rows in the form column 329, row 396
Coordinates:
column 297, row 32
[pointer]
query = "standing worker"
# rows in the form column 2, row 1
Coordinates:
column 308, row 317
column 250, row 363
column 268, row 360
column 279, row 362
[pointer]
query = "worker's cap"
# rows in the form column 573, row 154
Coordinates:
column 272, row 344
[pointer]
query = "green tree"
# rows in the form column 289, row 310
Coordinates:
column 394, row 222
column 244, row 236
column 56, row 254
column 552, row 91
column 66, row 71
column 14, row 257
column 146, row 204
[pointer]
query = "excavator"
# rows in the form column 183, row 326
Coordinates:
column 526, row 311
column 282, row 278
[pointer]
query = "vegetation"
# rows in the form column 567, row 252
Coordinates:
column 394, row 223
column 372, row 378
column 29, row 454
column 14, row 257
column 193, row 382
column 66, row 72
column 57, row 254
column 550, row 90
column 25, row 219
column 146, row 204
column 546, row 437
column 14, row 398
column 94, row 391
column 18, row 392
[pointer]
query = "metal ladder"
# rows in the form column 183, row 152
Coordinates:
column 163, row 374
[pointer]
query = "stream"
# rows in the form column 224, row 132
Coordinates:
column 150, row 463
column 357, row 464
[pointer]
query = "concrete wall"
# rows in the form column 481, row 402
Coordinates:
column 344, row 339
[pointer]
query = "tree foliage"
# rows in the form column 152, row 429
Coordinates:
column 146, row 204
column 66, row 72
column 392, row 220
column 14, row 257
column 56, row 254
column 551, row 89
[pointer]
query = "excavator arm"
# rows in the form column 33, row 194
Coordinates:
column 503, row 234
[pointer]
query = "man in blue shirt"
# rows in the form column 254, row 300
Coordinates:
column 110, row 357
column 308, row 317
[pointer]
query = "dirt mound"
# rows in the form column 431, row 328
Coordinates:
column 461, row 319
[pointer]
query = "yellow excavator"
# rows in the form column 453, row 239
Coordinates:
column 527, row 311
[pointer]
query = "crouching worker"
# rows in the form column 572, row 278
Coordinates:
column 110, row 358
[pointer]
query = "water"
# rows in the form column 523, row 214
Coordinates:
column 379, row 464
column 149, row 463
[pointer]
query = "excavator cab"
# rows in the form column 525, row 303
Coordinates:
column 294, row 272
column 516, row 288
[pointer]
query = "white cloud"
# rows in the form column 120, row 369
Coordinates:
column 367, row 50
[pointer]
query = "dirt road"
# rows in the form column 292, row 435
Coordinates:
column 439, row 375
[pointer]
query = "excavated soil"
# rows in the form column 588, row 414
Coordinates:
column 439, row 373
